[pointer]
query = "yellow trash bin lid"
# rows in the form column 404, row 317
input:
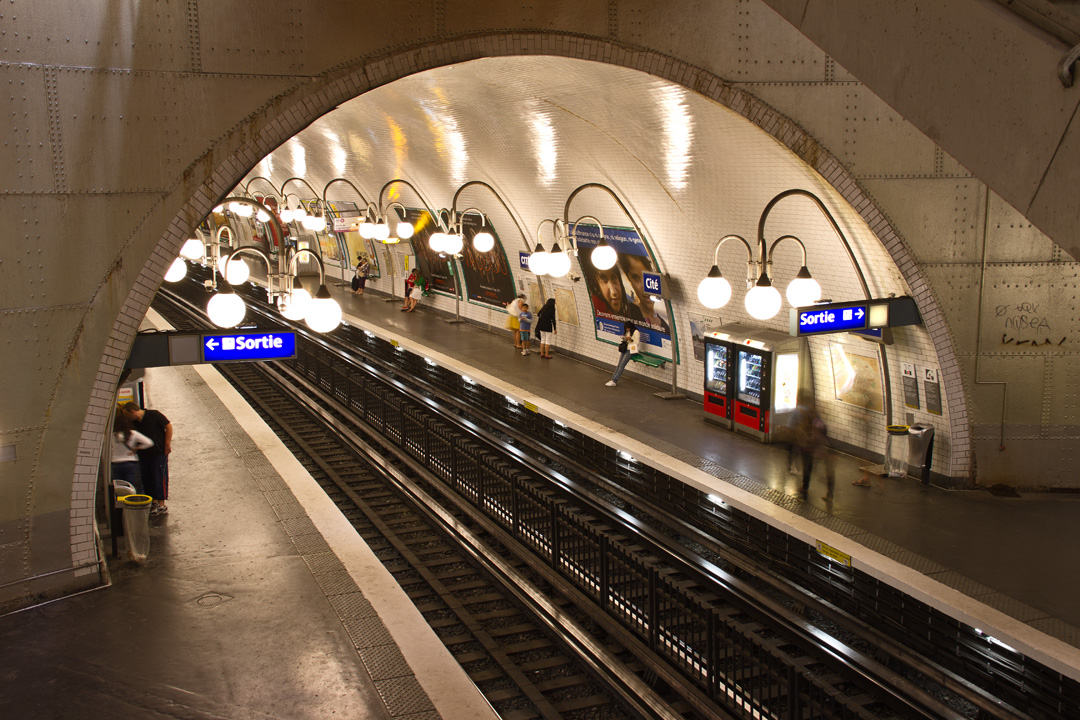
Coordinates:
column 136, row 500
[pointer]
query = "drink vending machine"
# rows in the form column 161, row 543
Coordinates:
column 752, row 379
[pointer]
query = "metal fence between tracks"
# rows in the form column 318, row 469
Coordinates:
column 721, row 648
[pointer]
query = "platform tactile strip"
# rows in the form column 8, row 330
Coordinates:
column 404, row 696
column 384, row 662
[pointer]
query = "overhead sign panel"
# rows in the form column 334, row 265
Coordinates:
column 240, row 347
column 868, row 317
column 813, row 321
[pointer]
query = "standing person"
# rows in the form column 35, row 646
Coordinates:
column 127, row 441
column 811, row 437
column 363, row 267
column 419, row 287
column 153, row 460
column 545, row 326
column 628, row 348
column 513, row 310
column 525, row 319
column 410, row 283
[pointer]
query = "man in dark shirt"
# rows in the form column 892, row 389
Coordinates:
column 154, row 461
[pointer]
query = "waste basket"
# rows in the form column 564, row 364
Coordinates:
column 137, row 526
column 896, row 450
column 921, row 449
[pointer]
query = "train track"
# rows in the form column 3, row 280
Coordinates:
column 850, row 678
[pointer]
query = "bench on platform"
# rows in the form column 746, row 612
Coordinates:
column 649, row 360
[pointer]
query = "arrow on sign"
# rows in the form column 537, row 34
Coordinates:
column 859, row 313
column 212, row 344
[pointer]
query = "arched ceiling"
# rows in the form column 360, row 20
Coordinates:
column 535, row 128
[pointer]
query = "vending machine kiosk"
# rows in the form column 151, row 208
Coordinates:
column 762, row 373
column 719, row 381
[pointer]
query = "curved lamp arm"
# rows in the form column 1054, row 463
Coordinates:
column 396, row 205
column 566, row 219
column 457, row 217
column 772, row 248
column 247, row 185
column 290, row 267
column 572, row 234
column 347, row 182
column 554, row 234
column 302, row 180
column 427, row 205
column 832, row 221
column 457, row 194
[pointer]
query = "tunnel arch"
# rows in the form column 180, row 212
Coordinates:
column 230, row 158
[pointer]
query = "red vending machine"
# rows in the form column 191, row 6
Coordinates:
column 719, row 381
column 764, row 373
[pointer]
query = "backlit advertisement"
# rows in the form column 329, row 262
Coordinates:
column 618, row 295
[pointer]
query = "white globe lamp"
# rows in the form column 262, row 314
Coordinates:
column 436, row 241
column 294, row 305
column 262, row 215
column 483, row 241
column 299, row 213
column 177, row 271
column 538, row 261
column 381, row 232
column 367, row 229
column 241, row 209
column 763, row 301
column 603, row 256
column 558, row 263
column 405, row 230
column 453, row 243
column 714, row 291
column 323, row 312
column 286, row 216
column 803, row 290
column 193, row 249
column 226, row 309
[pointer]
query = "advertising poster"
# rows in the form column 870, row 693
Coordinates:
column 349, row 238
column 857, row 377
column 487, row 274
column 700, row 326
column 436, row 267
column 565, row 306
column 534, row 296
column 618, row 295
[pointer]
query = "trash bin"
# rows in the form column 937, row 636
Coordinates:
column 137, row 526
column 122, row 488
column 921, row 449
column 896, row 450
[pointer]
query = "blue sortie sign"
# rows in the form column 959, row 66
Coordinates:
column 830, row 320
column 249, row 346
column 523, row 260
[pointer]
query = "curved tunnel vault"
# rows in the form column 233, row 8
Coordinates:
column 272, row 125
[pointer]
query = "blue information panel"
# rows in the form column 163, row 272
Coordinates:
column 238, row 347
column 832, row 319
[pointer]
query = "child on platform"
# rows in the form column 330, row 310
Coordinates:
column 525, row 319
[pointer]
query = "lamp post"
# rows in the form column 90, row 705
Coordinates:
column 381, row 208
column 226, row 308
column 762, row 300
column 606, row 260
column 803, row 289
column 326, row 204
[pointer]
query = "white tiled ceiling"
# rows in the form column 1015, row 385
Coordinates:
column 536, row 128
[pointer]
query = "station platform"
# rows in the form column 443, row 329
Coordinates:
column 260, row 601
